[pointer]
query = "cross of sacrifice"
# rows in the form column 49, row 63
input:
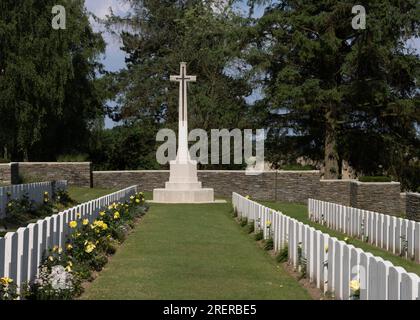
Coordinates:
column 183, row 79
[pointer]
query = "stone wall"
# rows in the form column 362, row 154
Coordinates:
column 9, row 173
column 76, row 173
column 146, row 179
column 292, row 186
column 296, row 186
column 337, row 191
column 413, row 206
column 5, row 173
column 383, row 197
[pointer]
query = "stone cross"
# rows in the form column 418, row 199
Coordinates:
column 183, row 79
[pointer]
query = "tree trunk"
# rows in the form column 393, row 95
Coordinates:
column 331, row 159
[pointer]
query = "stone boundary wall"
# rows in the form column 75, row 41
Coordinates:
column 383, row 197
column 9, row 173
column 377, row 196
column 413, row 206
column 294, row 186
column 5, row 173
column 337, row 191
column 291, row 186
column 76, row 173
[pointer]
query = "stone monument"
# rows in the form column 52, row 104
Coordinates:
column 183, row 185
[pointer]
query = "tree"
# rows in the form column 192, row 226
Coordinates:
column 49, row 94
column 162, row 34
column 325, row 81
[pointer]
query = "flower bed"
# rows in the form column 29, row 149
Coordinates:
column 21, row 211
column 86, row 250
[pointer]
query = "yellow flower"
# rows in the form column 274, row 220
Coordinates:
column 137, row 200
column 78, row 215
column 55, row 248
column 50, row 258
column 116, row 215
column 354, row 285
column 73, row 224
column 346, row 239
column 85, row 222
column 102, row 213
column 132, row 197
column 268, row 223
column 6, row 281
column 99, row 224
column 9, row 204
column 70, row 264
column 68, row 269
column 46, row 193
column 69, row 247
column 60, row 250
column 326, row 248
column 247, row 197
column 90, row 247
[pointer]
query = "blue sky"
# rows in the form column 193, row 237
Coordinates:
column 114, row 57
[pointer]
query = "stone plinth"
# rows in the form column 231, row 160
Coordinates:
column 183, row 186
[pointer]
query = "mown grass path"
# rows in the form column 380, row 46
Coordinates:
column 192, row 252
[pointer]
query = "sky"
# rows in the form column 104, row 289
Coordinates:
column 114, row 58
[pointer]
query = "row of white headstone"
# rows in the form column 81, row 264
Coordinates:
column 329, row 263
column 21, row 252
column 34, row 191
column 394, row 234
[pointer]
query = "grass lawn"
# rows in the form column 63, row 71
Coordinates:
column 192, row 252
column 300, row 212
column 81, row 194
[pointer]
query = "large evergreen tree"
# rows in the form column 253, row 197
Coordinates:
column 354, row 91
column 49, row 95
column 161, row 34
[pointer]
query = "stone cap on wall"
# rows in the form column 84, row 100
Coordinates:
column 413, row 194
column 358, row 182
column 52, row 163
column 376, row 183
column 227, row 171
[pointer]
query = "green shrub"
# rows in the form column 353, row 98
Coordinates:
column 62, row 197
column 81, row 157
column 251, row 227
column 8, row 289
column 283, row 255
column 259, row 235
column 375, row 179
column 269, row 244
column 19, row 211
column 235, row 213
column 243, row 222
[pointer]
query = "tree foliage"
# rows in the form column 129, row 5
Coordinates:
column 157, row 36
column 352, row 94
column 49, row 93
